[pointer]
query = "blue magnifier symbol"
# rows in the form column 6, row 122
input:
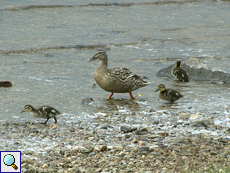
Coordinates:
column 9, row 160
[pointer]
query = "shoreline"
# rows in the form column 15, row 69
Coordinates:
column 85, row 146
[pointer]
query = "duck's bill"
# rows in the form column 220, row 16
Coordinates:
column 22, row 111
column 92, row 59
column 156, row 90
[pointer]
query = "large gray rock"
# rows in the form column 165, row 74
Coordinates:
column 198, row 71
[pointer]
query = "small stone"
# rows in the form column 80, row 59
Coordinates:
column 74, row 162
column 118, row 147
column 91, row 138
column 155, row 153
column 72, row 129
column 163, row 134
column 121, row 154
column 32, row 170
column 184, row 157
column 5, row 83
column 100, row 148
column 24, row 170
column 45, row 166
column 105, row 126
column 151, row 110
column 99, row 170
column 183, row 116
column 53, row 126
column 143, row 148
column 155, row 122
column 32, row 134
column 68, row 160
column 74, row 170
column 85, row 150
column 24, row 165
column 140, row 132
column 194, row 116
column 141, row 143
column 103, row 148
column 127, row 129
column 133, row 113
column 29, row 152
column 155, row 136
column 91, row 154
column 128, row 135
column 147, row 129
column 134, row 140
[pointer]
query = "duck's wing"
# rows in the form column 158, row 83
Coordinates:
column 49, row 110
column 125, row 74
column 180, row 74
column 175, row 94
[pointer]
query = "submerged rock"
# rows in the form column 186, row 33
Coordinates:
column 87, row 101
column 48, row 54
column 199, row 71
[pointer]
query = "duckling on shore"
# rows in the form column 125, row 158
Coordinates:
column 116, row 80
column 168, row 94
column 46, row 112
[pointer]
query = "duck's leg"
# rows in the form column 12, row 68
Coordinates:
column 131, row 96
column 110, row 95
column 55, row 120
column 171, row 101
column 46, row 121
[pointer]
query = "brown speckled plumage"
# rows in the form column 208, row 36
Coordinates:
column 179, row 73
column 46, row 112
column 168, row 94
column 116, row 80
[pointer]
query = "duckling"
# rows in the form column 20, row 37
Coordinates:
column 116, row 80
column 46, row 112
column 179, row 73
column 168, row 94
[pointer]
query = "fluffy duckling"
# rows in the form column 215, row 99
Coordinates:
column 116, row 80
column 179, row 73
column 46, row 112
column 168, row 94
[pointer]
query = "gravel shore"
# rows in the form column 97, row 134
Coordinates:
column 86, row 146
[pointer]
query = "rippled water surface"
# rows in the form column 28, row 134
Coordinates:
column 142, row 36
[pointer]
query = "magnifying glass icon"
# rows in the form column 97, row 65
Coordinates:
column 9, row 160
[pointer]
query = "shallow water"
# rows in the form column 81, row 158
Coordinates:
column 143, row 37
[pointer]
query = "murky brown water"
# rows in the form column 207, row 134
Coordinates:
column 139, row 36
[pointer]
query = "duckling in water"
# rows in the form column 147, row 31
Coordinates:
column 168, row 94
column 46, row 112
column 179, row 73
column 116, row 80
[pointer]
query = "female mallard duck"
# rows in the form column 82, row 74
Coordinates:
column 116, row 80
column 46, row 112
column 179, row 73
column 168, row 94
